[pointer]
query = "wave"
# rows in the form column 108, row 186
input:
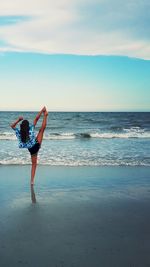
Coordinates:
column 63, row 136
column 125, row 135
column 7, row 136
column 59, row 136
column 134, row 132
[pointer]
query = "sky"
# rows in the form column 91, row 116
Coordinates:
column 71, row 55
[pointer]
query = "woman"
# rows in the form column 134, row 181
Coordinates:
column 27, row 138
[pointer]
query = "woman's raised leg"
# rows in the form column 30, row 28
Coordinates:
column 42, row 129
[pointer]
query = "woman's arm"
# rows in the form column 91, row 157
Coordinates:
column 39, row 115
column 13, row 125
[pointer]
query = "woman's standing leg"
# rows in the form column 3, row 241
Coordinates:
column 33, row 169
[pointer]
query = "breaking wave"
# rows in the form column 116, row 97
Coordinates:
column 134, row 132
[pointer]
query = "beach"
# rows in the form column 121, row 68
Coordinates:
column 75, row 216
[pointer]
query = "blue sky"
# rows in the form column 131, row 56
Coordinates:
column 75, row 55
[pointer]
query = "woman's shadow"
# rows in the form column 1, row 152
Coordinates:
column 33, row 197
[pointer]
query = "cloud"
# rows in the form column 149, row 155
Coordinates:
column 92, row 27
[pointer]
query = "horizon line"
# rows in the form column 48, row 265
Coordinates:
column 84, row 111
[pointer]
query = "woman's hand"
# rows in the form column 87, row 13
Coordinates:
column 20, row 118
column 13, row 125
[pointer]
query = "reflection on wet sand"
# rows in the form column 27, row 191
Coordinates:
column 33, row 197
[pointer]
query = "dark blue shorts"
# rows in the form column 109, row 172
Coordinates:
column 34, row 149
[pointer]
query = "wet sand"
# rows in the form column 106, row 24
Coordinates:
column 75, row 217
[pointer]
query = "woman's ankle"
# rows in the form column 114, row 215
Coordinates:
column 46, row 114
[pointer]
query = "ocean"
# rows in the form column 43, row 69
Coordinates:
column 82, row 139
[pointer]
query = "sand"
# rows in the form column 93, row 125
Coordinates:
column 75, row 217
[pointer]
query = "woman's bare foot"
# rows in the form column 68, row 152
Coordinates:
column 43, row 109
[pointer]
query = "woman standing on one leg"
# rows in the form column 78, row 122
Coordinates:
column 27, row 139
column 34, row 150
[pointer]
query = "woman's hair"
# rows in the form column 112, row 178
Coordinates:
column 24, row 131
